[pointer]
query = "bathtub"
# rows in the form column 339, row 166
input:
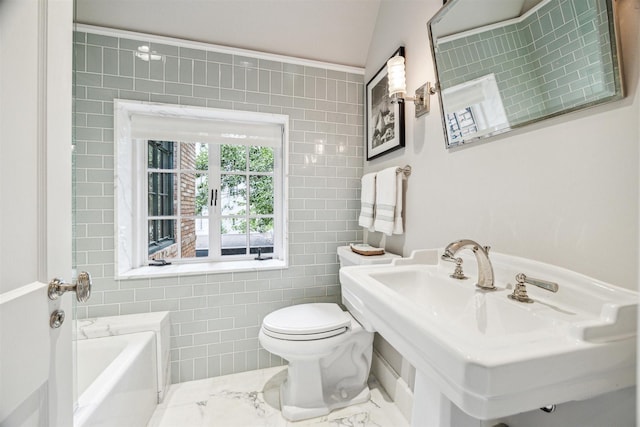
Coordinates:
column 117, row 382
column 122, row 369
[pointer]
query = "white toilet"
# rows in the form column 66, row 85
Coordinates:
column 328, row 351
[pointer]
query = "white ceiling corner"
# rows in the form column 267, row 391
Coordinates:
column 334, row 31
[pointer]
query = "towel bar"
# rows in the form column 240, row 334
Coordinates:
column 405, row 170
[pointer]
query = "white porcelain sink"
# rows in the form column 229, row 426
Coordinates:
column 490, row 355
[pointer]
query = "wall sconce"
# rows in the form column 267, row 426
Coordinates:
column 398, row 87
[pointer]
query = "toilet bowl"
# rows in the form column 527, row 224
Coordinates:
column 328, row 351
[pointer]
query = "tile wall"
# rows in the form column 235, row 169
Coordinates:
column 547, row 63
column 216, row 317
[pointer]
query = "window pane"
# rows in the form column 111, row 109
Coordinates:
column 261, row 195
column 161, row 189
column 194, row 156
column 161, row 155
column 202, row 157
column 161, row 237
column 202, row 194
column 233, row 197
column 188, row 236
column 261, row 159
column 194, row 190
column 261, row 235
column 202, row 237
column 233, row 158
column 233, row 236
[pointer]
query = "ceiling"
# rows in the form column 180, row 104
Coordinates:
column 335, row 31
column 464, row 15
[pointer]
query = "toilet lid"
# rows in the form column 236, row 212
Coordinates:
column 306, row 322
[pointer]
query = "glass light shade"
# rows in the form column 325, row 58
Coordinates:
column 396, row 76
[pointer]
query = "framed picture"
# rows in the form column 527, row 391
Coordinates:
column 384, row 120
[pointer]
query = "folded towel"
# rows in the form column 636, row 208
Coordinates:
column 367, row 201
column 397, row 221
column 386, row 202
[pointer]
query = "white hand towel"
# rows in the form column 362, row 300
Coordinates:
column 367, row 201
column 397, row 220
column 386, row 199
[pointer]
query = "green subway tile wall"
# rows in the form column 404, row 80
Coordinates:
column 216, row 317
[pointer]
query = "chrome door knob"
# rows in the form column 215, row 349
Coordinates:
column 82, row 288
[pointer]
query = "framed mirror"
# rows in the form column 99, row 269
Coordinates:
column 504, row 64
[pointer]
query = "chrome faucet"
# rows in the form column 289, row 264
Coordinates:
column 485, row 269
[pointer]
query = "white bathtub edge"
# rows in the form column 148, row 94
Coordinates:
column 157, row 322
column 126, row 389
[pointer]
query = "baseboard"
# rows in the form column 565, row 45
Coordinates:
column 393, row 385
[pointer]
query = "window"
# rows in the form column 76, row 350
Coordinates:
column 162, row 231
column 234, row 217
column 208, row 186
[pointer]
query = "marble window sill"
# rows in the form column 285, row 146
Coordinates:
column 175, row 270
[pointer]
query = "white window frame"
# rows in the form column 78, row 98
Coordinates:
column 131, row 185
column 215, row 174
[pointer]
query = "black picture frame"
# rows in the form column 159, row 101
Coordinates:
column 384, row 119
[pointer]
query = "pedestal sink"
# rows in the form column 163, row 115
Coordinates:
column 487, row 354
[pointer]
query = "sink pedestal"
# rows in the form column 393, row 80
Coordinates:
column 434, row 409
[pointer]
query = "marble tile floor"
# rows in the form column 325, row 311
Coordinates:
column 251, row 399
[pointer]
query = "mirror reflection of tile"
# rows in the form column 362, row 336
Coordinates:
column 556, row 57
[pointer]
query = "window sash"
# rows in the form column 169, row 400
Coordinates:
column 215, row 216
column 160, row 186
column 218, row 216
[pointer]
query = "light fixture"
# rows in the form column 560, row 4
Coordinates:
column 398, row 86
column 146, row 54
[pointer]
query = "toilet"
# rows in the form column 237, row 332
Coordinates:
column 328, row 351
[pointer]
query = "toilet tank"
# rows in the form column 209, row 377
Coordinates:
column 347, row 257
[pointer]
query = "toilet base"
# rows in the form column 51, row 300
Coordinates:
column 318, row 385
column 323, row 374
column 296, row 413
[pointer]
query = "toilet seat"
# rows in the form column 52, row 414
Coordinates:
column 306, row 322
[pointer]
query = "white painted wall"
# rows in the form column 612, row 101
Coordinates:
column 564, row 191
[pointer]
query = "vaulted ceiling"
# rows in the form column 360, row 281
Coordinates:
column 336, row 31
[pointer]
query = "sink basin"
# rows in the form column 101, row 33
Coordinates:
column 456, row 307
column 492, row 356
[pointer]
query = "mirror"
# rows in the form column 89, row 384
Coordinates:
column 503, row 64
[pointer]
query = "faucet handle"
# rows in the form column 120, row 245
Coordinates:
column 487, row 249
column 457, row 273
column 448, row 257
column 520, row 290
column 544, row 284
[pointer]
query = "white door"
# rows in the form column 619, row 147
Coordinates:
column 35, row 211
